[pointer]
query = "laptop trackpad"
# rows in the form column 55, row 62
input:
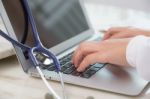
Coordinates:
column 124, row 80
column 119, row 73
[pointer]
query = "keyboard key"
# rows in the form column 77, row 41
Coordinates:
column 44, row 67
column 69, row 70
column 66, row 66
column 88, row 73
column 62, row 63
column 85, row 75
column 98, row 65
column 76, row 73
column 63, row 68
column 69, row 64
column 91, row 71
column 51, row 68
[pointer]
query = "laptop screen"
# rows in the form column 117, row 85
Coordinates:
column 56, row 20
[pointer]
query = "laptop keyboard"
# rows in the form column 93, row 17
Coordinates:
column 68, row 68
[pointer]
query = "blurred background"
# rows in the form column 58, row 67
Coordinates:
column 133, row 4
column 104, row 14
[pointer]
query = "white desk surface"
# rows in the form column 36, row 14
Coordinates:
column 15, row 84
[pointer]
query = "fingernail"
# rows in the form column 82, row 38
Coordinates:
column 79, row 69
column 75, row 65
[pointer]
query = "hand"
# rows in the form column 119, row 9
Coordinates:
column 109, row 51
column 124, row 32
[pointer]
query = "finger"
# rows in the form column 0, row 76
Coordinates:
column 120, row 35
column 77, row 57
column 113, row 31
column 117, row 29
column 97, row 57
column 106, row 35
column 83, row 50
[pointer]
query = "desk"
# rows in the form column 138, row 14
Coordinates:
column 15, row 84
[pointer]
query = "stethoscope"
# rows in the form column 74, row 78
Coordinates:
column 38, row 48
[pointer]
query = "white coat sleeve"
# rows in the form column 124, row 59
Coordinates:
column 138, row 55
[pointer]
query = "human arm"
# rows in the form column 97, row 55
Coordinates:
column 124, row 32
column 138, row 49
column 126, row 51
column 138, row 55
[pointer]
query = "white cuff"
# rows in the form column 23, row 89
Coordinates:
column 138, row 55
column 132, row 49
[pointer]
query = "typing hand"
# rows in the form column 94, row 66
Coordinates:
column 108, row 51
column 124, row 32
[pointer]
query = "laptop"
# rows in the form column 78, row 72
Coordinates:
column 62, row 26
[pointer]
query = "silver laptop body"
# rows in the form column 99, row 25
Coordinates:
column 69, row 18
